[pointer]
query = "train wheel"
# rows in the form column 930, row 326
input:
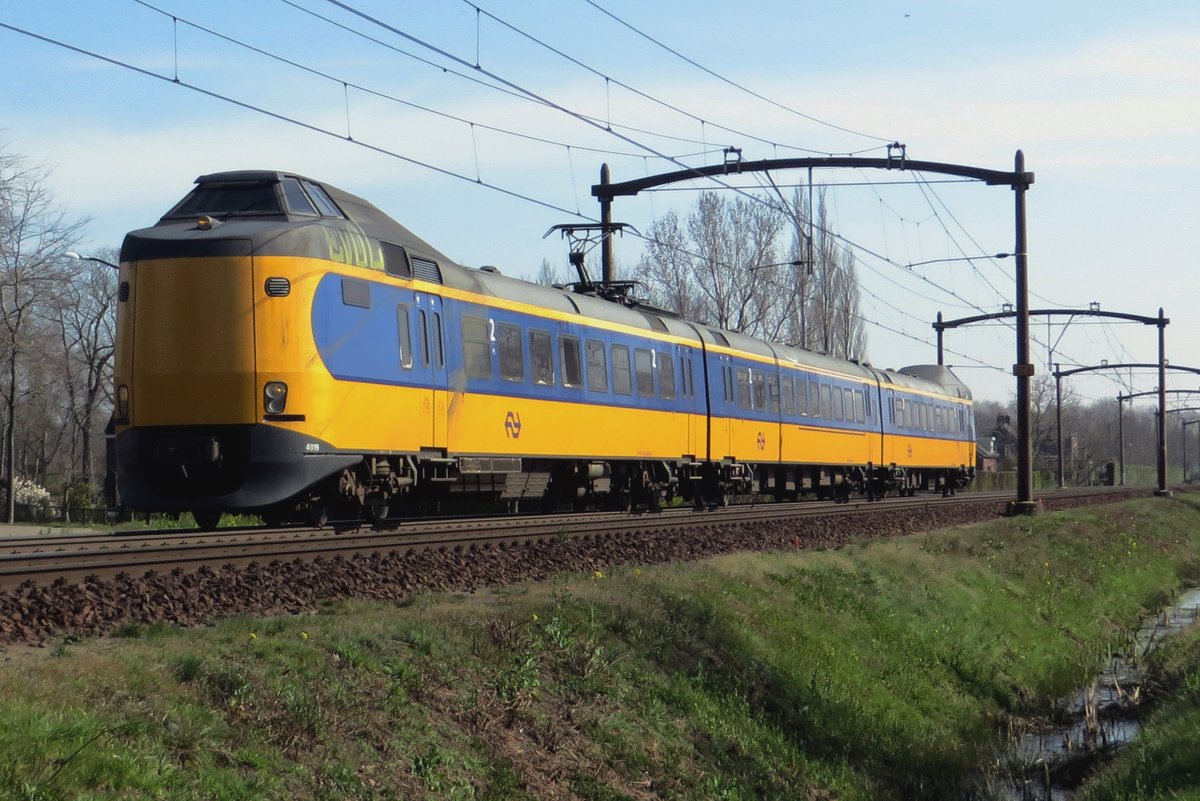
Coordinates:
column 318, row 514
column 207, row 519
column 375, row 510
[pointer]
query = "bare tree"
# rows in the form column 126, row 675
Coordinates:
column 86, row 314
column 724, row 266
column 34, row 235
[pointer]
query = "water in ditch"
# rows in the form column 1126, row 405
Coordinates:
column 1099, row 719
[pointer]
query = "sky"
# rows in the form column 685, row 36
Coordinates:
column 424, row 109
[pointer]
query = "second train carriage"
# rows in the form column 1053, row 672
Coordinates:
column 284, row 345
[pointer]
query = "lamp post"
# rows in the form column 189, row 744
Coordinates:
column 70, row 254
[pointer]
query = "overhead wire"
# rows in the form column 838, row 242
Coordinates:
column 733, row 83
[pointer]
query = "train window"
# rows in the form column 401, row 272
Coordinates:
column 512, row 358
column 727, row 372
column 405, row 337
column 395, row 260
column 839, row 404
column 848, row 396
column 404, row 331
column 541, row 357
column 788, row 399
column 773, row 394
column 870, row 406
column 802, row 397
column 685, row 376
column 228, row 199
column 666, row 376
column 422, row 341
column 860, row 406
column 597, row 366
column 923, row 410
column 826, row 408
column 622, row 378
column 719, row 337
column 760, row 389
column 644, row 360
column 477, row 352
column 439, row 352
column 356, row 293
column 297, row 201
column 743, row 387
column 568, row 353
column 322, row 200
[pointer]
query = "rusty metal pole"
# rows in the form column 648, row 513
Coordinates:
column 1023, row 369
column 940, row 334
column 606, row 247
column 1058, row 421
column 1121, row 435
column 1162, row 406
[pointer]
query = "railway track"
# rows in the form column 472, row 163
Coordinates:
column 73, row 558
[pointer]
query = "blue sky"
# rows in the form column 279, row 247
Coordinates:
column 1103, row 98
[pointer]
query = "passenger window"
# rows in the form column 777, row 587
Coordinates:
column 788, row 400
column 597, row 366
column 839, row 406
column 743, row 382
column 860, row 406
column 512, row 358
column 666, row 376
column 760, row 390
column 568, row 352
column 541, row 357
column 773, row 394
column 802, row 397
column 477, row 351
column 645, row 372
column 826, row 403
column 848, row 395
column 422, row 342
column 404, row 333
column 622, row 378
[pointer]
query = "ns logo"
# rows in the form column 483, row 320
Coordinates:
column 512, row 425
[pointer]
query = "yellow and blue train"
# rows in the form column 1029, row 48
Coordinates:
column 286, row 348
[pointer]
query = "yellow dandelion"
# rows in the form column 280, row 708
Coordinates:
column 597, row 575
column 253, row 636
column 304, row 635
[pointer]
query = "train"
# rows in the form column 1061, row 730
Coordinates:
column 285, row 348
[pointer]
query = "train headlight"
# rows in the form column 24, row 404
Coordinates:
column 275, row 397
column 122, row 401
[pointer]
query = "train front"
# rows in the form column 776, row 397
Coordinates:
column 214, row 346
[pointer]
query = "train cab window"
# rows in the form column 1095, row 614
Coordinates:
column 666, row 376
column 439, row 351
column 541, row 357
column 321, row 200
column 477, row 351
column 404, row 332
column 512, row 358
column 295, row 198
column 568, row 354
column 743, row 386
column 422, row 340
column 622, row 376
column 644, row 361
column 860, row 406
column 223, row 199
column 788, row 399
column 395, row 260
column 597, row 366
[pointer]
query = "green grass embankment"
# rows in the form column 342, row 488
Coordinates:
column 884, row 670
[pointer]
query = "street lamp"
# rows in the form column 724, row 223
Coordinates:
column 910, row 265
column 70, row 254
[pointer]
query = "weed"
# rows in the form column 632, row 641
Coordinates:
column 187, row 668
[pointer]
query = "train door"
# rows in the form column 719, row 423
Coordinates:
column 431, row 350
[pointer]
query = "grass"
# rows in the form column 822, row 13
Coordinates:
column 886, row 670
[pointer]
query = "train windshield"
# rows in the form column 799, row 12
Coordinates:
column 229, row 199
